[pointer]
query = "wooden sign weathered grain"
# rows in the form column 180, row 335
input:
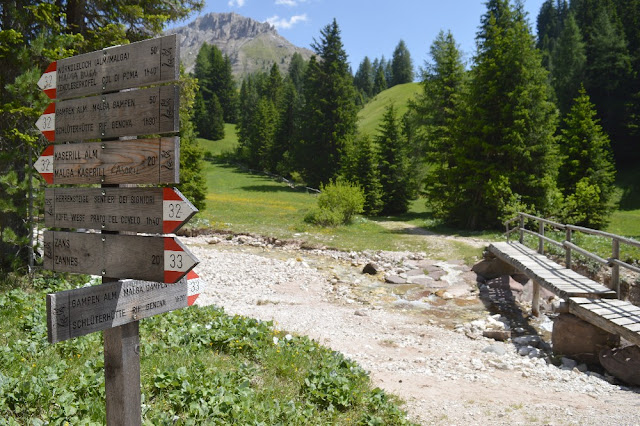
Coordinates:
column 147, row 210
column 162, row 259
column 138, row 161
column 114, row 68
column 85, row 310
column 126, row 113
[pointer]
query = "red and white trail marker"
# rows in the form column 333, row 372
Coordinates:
column 47, row 122
column 48, row 80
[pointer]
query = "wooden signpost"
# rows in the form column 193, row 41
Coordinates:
column 115, row 68
column 85, row 310
column 148, row 210
column 140, row 161
column 162, row 259
column 84, row 110
column 135, row 112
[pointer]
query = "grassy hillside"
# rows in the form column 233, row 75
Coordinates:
column 370, row 116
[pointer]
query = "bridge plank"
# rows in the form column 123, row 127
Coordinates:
column 624, row 324
column 564, row 282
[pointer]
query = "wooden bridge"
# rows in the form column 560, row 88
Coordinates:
column 586, row 299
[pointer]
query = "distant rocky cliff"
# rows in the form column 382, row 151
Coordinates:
column 251, row 45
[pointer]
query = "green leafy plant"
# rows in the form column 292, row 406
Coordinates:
column 338, row 202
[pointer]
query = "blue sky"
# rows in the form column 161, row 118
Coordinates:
column 371, row 27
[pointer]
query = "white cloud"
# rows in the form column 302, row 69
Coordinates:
column 284, row 24
column 238, row 3
column 287, row 2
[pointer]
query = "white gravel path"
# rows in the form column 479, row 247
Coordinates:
column 444, row 376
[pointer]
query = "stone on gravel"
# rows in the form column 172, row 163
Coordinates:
column 569, row 363
column 500, row 335
column 623, row 363
column 371, row 269
column 394, row 279
column 495, row 349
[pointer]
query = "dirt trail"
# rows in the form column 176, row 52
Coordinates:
column 410, row 348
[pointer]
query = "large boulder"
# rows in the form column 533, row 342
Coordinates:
column 493, row 268
column 580, row 340
column 622, row 363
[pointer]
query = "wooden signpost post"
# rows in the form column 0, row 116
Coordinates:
column 156, row 271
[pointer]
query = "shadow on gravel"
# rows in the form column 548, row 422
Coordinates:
column 497, row 297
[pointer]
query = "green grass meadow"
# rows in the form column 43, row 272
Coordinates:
column 370, row 116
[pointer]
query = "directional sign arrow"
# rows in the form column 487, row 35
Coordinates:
column 48, row 80
column 162, row 259
column 114, row 68
column 85, row 310
column 126, row 113
column 148, row 210
column 142, row 161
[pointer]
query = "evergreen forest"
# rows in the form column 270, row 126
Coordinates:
column 541, row 119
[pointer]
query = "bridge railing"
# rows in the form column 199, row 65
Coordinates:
column 612, row 262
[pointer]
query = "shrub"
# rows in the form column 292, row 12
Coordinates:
column 338, row 202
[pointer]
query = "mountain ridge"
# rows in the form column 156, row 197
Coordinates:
column 251, row 46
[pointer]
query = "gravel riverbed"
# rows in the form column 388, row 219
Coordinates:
column 418, row 341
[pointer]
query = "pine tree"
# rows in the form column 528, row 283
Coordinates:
column 192, row 182
column 379, row 82
column 434, row 116
column 550, row 23
column 330, row 112
column 587, row 173
column 393, row 164
column 297, row 69
column 401, row 65
column 569, row 62
column 363, row 80
column 608, row 77
column 504, row 156
column 362, row 169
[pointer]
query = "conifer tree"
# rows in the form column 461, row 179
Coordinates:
column 362, row 169
column 192, row 181
column 363, row 80
column 434, row 115
column 330, row 111
column 587, row 173
column 569, row 61
column 608, row 76
column 505, row 153
column 401, row 65
column 393, row 164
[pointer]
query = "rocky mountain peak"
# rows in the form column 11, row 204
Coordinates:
column 251, row 46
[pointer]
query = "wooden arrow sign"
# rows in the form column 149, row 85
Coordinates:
column 127, row 113
column 85, row 310
column 162, row 259
column 137, row 161
column 148, row 210
column 121, row 67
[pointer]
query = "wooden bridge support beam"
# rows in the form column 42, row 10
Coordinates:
column 535, row 302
